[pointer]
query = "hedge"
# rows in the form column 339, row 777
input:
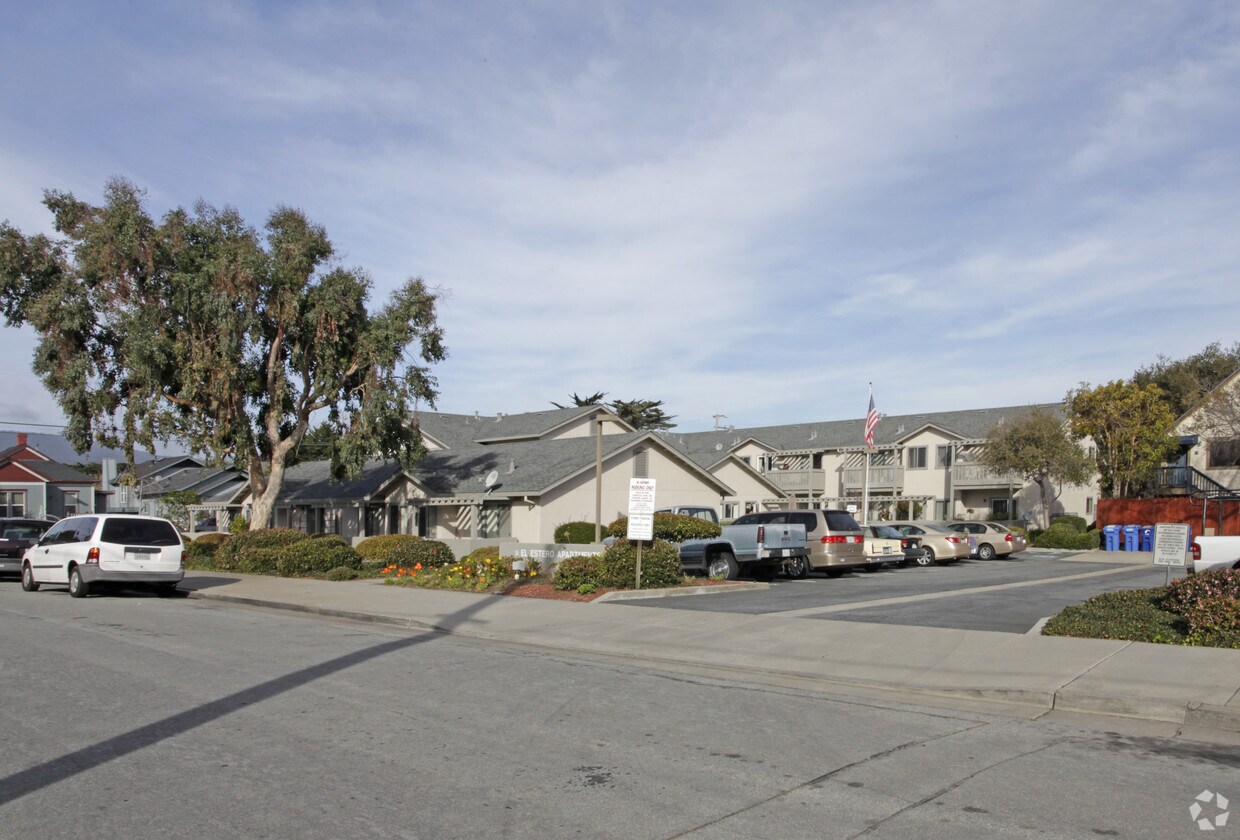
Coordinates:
column 1186, row 592
column 1065, row 535
column 581, row 570
column 317, row 556
column 672, row 527
column 228, row 557
column 1077, row 523
column 576, row 533
column 616, row 567
column 404, row 550
column 1134, row 615
column 200, row 553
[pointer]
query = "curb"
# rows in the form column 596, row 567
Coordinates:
column 640, row 594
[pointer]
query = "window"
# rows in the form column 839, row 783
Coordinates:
column 729, row 510
column 1089, row 504
column 641, row 464
column 13, row 502
column 999, row 507
column 1225, row 453
column 331, row 521
column 917, row 458
column 71, row 502
column 943, row 456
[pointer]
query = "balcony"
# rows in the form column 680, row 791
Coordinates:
column 976, row 475
column 888, row 477
column 798, row 481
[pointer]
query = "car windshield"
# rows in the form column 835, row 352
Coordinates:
column 124, row 531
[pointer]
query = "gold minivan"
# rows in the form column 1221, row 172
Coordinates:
column 833, row 537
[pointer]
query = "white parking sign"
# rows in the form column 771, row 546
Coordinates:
column 1170, row 544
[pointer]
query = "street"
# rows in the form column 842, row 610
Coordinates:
column 137, row 717
column 1005, row 595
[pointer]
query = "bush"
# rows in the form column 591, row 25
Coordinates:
column 238, row 525
column 1135, row 614
column 576, row 533
column 1077, row 523
column 660, row 565
column 1214, row 621
column 1185, row 593
column 343, row 573
column 200, row 553
column 482, row 555
column 403, row 551
column 256, row 561
column 672, row 527
column 575, row 572
column 1065, row 535
column 319, row 556
column 228, row 556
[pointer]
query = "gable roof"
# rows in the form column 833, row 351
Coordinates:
column 459, row 431
column 311, row 481
column 43, row 468
column 971, row 424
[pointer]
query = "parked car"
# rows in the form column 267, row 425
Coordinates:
column 834, row 539
column 758, row 550
column 883, row 547
column 87, row 552
column 992, row 539
column 696, row 511
column 910, row 546
column 1215, row 552
column 16, row 535
column 941, row 544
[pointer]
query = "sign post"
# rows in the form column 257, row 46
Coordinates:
column 1170, row 545
column 641, row 516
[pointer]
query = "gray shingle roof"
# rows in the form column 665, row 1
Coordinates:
column 969, row 424
column 457, row 431
column 310, row 481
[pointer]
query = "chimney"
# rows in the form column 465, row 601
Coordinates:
column 21, row 438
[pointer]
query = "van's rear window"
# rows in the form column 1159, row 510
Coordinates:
column 838, row 520
column 124, row 531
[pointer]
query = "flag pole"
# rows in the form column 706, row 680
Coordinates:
column 869, row 446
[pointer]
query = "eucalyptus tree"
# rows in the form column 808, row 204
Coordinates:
column 202, row 329
column 1038, row 448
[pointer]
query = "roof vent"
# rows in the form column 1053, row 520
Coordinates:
column 900, row 430
column 499, row 415
column 813, row 435
column 512, row 465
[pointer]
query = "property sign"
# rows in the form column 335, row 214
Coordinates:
column 1170, row 544
column 641, row 509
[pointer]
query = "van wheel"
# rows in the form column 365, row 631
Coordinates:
column 985, row 551
column 724, row 566
column 169, row 590
column 797, row 568
column 28, row 581
column 78, row 588
column 834, row 573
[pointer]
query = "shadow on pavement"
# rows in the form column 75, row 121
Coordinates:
column 48, row 773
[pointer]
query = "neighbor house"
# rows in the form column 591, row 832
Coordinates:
column 33, row 485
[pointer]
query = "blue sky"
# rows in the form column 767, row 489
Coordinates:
column 747, row 209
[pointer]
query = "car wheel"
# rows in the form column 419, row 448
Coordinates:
column 28, row 581
column 723, row 566
column 928, row 559
column 78, row 588
column 985, row 551
column 797, row 568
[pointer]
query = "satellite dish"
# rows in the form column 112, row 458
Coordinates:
column 718, row 446
column 491, row 479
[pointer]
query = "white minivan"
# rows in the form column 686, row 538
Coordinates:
column 84, row 551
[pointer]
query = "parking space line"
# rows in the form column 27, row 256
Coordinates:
column 951, row 593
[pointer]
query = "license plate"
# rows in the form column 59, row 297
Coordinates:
column 886, row 549
column 141, row 552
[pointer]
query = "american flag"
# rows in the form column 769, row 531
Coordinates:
column 871, row 420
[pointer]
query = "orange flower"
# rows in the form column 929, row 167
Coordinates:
column 417, row 565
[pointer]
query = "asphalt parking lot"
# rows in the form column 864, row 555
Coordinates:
column 1008, row 596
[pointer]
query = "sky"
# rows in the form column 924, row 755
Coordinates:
column 752, row 210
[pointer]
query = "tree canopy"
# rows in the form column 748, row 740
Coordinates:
column 1131, row 426
column 1185, row 382
column 202, row 329
column 1038, row 448
column 640, row 414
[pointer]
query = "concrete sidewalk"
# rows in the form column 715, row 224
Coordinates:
column 1192, row 687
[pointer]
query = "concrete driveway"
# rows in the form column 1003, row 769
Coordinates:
column 1009, row 596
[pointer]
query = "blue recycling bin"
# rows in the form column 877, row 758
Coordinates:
column 1147, row 537
column 1132, row 538
column 1110, row 533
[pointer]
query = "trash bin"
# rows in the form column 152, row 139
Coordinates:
column 1110, row 533
column 1147, row 537
column 1132, row 538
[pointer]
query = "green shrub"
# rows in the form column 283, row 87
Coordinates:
column 672, row 527
column 404, row 551
column 238, row 525
column 575, row 572
column 483, row 554
column 660, row 565
column 576, row 533
column 1214, row 621
column 200, row 553
column 256, row 561
column 1077, row 523
column 1186, row 592
column 1065, row 535
column 1136, row 615
column 311, row 557
column 230, row 551
column 343, row 573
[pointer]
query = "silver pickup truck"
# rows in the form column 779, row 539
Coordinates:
column 757, row 551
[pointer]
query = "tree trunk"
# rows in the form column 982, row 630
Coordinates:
column 1044, row 488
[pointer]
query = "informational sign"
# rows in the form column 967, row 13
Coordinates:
column 641, row 509
column 1170, row 544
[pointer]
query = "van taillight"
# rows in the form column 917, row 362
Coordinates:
column 1196, row 552
column 92, row 556
column 762, row 534
column 833, row 540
